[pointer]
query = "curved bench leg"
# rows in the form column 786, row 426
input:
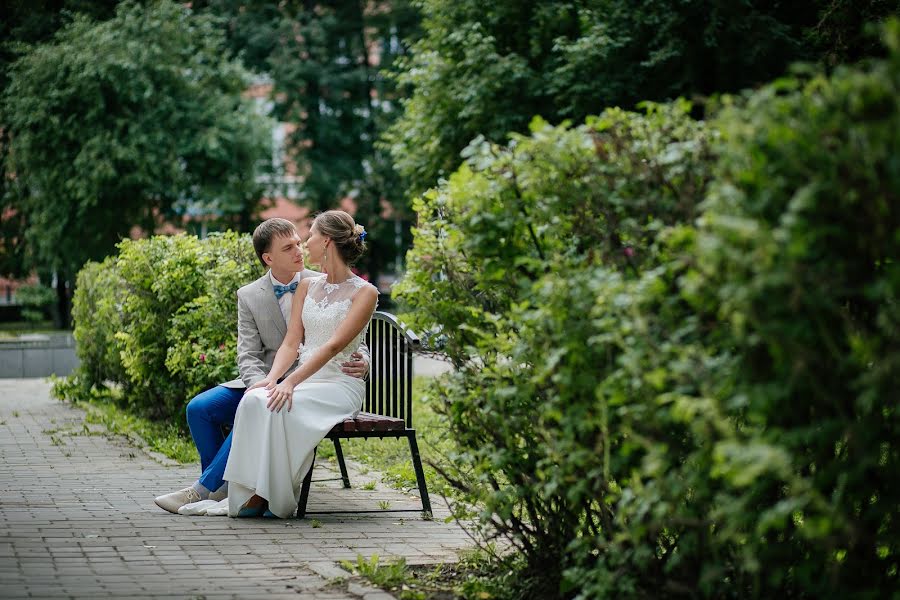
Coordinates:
column 341, row 464
column 420, row 474
column 304, row 491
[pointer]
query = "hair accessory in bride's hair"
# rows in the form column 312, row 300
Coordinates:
column 360, row 231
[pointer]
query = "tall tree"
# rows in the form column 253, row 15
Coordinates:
column 326, row 61
column 486, row 68
column 28, row 23
column 116, row 123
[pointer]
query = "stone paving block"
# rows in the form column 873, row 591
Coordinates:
column 98, row 534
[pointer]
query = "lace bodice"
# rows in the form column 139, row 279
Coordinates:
column 324, row 309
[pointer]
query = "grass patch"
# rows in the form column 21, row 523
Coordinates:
column 165, row 438
column 105, row 408
column 474, row 577
column 17, row 328
column 392, row 457
column 388, row 576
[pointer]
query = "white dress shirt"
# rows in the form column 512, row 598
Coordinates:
column 286, row 300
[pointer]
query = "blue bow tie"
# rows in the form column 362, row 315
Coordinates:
column 281, row 290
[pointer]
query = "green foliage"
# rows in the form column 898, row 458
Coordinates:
column 160, row 319
column 324, row 63
column 589, row 202
column 677, row 343
column 806, row 209
column 27, row 23
column 846, row 29
column 476, row 575
column 386, row 575
column 115, row 123
column 160, row 276
column 202, row 335
column 35, row 301
column 599, row 191
column 97, row 316
column 104, row 406
column 485, row 68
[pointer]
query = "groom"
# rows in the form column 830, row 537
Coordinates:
column 264, row 309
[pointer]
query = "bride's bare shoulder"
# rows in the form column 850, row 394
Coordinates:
column 307, row 282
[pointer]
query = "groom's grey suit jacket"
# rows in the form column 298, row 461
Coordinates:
column 261, row 329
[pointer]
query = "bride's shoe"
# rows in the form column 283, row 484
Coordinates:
column 256, row 506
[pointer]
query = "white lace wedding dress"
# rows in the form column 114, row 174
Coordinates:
column 271, row 452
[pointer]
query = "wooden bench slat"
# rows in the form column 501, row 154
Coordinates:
column 369, row 422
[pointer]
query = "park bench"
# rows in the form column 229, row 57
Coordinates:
column 387, row 411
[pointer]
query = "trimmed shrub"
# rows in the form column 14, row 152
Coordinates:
column 525, row 260
column 798, row 248
column 160, row 319
column 677, row 344
column 202, row 336
column 97, row 316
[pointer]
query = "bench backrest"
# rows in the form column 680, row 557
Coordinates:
column 389, row 386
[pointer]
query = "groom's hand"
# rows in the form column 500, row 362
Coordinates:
column 265, row 382
column 356, row 367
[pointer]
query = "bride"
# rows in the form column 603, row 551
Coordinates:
column 279, row 424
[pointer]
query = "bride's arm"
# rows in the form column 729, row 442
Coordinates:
column 287, row 352
column 360, row 312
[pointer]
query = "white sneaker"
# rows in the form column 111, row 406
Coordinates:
column 172, row 502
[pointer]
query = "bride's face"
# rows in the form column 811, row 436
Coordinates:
column 315, row 245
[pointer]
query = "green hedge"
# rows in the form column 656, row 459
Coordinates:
column 160, row 320
column 37, row 302
column 678, row 343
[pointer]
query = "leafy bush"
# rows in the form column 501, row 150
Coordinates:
column 510, row 258
column 595, row 193
column 798, row 248
column 202, row 336
column 36, row 301
column 160, row 319
column 488, row 67
column 677, row 343
column 97, row 316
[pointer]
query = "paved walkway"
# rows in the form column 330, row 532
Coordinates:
column 77, row 519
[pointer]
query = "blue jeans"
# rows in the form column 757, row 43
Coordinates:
column 207, row 413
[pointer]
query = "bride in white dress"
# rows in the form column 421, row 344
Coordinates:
column 278, row 425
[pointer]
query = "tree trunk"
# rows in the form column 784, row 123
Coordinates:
column 244, row 216
column 63, row 317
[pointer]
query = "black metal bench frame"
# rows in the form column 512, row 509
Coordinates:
column 388, row 393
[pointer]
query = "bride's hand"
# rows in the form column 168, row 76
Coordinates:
column 279, row 395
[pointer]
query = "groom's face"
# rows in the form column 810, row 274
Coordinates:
column 285, row 253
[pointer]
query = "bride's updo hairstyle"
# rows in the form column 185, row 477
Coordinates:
column 345, row 234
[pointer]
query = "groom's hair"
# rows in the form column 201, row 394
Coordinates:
column 267, row 231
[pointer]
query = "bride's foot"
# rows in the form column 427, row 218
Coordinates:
column 254, row 507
